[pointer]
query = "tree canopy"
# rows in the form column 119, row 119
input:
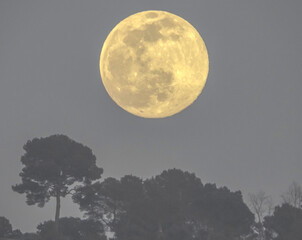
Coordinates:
column 285, row 223
column 53, row 167
column 73, row 229
column 173, row 205
column 5, row 227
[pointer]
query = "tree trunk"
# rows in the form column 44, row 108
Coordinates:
column 160, row 234
column 262, row 231
column 57, row 216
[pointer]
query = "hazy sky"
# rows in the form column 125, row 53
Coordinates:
column 244, row 131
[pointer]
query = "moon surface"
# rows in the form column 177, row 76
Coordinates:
column 154, row 64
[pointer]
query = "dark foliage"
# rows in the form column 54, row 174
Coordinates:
column 173, row 205
column 6, row 230
column 5, row 227
column 286, row 222
column 72, row 229
column 53, row 167
column 54, row 163
column 30, row 236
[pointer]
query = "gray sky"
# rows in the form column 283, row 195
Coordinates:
column 244, row 131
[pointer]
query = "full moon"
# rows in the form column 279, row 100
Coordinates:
column 154, row 64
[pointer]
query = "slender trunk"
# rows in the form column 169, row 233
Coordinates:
column 160, row 233
column 262, row 231
column 57, row 216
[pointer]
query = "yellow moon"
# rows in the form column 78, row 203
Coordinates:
column 154, row 64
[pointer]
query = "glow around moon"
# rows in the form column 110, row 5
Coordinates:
column 154, row 64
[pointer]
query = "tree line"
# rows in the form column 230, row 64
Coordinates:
column 174, row 205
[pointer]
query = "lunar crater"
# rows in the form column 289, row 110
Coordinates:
column 151, row 15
